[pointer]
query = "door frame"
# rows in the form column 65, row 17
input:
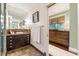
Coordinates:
column 52, row 4
column 3, row 11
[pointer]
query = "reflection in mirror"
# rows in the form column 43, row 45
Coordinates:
column 17, row 18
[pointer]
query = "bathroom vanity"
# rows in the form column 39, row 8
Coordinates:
column 15, row 41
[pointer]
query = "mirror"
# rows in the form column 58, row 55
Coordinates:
column 17, row 18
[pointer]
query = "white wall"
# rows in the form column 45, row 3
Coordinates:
column 43, row 46
column 58, row 8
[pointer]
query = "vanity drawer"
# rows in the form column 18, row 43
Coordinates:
column 27, row 35
column 17, row 41
column 10, row 40
column 10, row 46
column 10, row 43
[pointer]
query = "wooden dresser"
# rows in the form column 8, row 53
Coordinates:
column 17, row 40
column 59, row 37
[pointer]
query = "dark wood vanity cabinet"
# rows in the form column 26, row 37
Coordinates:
column 17, row 41
column 60, row 37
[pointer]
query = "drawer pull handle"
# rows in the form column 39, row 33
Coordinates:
column 10, row 40
column 10, row 37
column 10, row 43
column 27, row 35
column 10, row 46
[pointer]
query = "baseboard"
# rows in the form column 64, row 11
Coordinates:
column 73, row 50
column 44, row 54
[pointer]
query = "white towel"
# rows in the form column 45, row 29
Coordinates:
column 36, row 33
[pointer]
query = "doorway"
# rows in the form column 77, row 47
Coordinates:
column 59, row 29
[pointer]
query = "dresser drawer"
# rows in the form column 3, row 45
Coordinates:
column 63, row 37
column 63, row 33
column 28, row 35
column 17, row 41
column 10, row 43
column 62, row 42
column 10, row 40
column 10, row 46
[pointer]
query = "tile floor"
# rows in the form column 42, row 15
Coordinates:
column 30, row 51
column 24, row 51
column 55, row 51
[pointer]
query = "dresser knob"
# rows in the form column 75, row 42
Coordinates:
column 27, row 35
column 10, row 37
column 10, row 40
column 10, row 46
column 10, row 43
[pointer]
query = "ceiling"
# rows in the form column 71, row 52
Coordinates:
column 21, row 10
column 17, row 11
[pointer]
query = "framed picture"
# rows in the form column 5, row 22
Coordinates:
column 35, row 17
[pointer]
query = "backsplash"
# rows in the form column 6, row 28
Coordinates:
column 59, row 26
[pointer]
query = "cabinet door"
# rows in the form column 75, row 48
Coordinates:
column 63, row 38
column 50, row 21
column 18, row 41
column 61, row 19
column 27, row 39
column 54, row 20
column 52, row 36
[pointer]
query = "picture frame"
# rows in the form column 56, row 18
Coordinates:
column 35, row 17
